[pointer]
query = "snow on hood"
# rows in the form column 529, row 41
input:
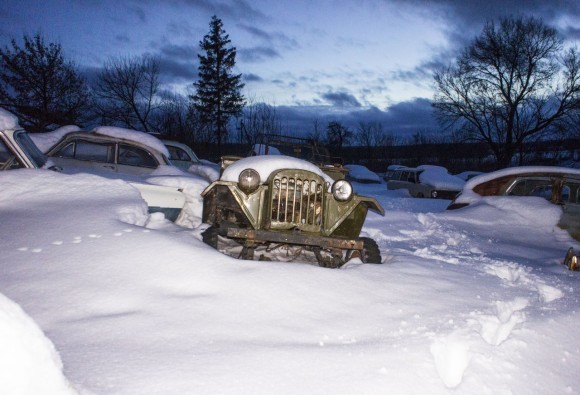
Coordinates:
column 8, row 120
column 362, row 173
column 47, row 140
column 439, row 178
column 134, row 135
column 29, row 363
column 266, row 165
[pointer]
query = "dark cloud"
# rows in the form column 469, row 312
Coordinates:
column 238, row 9
column 402, row 119
column 466, row 18
column 250, row 77
column 175, row 71
column 341, row 99
column 257, row 54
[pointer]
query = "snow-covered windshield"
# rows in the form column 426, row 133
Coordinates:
column 29, row 148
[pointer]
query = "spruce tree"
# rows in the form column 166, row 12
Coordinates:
column 218, row 94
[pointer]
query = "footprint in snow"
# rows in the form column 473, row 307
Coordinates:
column 452, row 357
column 495, row 329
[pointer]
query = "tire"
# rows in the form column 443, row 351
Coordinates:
column 371, row 252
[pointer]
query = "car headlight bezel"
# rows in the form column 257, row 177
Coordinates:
column 342, row 190
column 249, row 180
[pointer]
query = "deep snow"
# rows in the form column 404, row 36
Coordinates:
column 467, row 301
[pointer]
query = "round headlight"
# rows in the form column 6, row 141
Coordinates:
column 249, row 180
column 433, row 194
column 342, row 190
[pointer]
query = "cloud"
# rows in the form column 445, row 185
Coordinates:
column 402, row 119
column 341, row 99
column 250, row 77
column 466, row 18
column 257, row 54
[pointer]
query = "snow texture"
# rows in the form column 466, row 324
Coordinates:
column 359, row 172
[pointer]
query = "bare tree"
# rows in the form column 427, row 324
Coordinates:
column 127, row 92
column 172, row 119
column 259, row 118
column 511, row 84
column 337, row 136
column 370, row 135
column 40, row 86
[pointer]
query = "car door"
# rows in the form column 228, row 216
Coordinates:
column 135, row 160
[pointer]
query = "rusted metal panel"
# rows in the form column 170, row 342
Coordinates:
column 295, row 238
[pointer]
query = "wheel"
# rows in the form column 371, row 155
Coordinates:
column 371, row 252
column 568, row 257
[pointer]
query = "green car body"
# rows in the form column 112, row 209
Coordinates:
column 292, row 207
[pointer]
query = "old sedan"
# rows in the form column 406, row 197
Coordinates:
column 559, row 185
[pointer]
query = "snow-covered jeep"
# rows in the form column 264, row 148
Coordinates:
column 280, row 207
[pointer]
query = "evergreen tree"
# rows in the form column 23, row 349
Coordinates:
column 218, row 94
column 40, row 87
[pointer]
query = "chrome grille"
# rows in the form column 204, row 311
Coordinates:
column 297, row 201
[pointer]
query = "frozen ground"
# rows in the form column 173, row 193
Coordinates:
column 467, row 302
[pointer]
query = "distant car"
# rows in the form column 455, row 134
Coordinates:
column 558, row 185
column 391, row 171
column 359, row 173
column 426, row 182
column 183, row 157
column 18, row 151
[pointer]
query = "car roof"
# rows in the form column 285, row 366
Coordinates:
column 93, row 135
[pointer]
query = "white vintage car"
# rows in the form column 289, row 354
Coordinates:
column 17, row 150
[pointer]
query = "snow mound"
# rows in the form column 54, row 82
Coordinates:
column 438, row 177
column 359, row 172
column 29, row 363
column 530, row 211
column 45, row 141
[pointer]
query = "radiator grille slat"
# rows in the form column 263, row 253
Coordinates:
column 297, row 201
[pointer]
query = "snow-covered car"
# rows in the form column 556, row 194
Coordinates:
column 360, row 173
column 391, row 171
column 264, row 205
column 427, row 181
column 183, row 157
column 110, row 149
column 559, row 185
column 18, row 151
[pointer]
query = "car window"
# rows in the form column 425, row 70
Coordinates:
column 544, row 191
column 177, row 153
column 87, row 150
column 135, row 156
